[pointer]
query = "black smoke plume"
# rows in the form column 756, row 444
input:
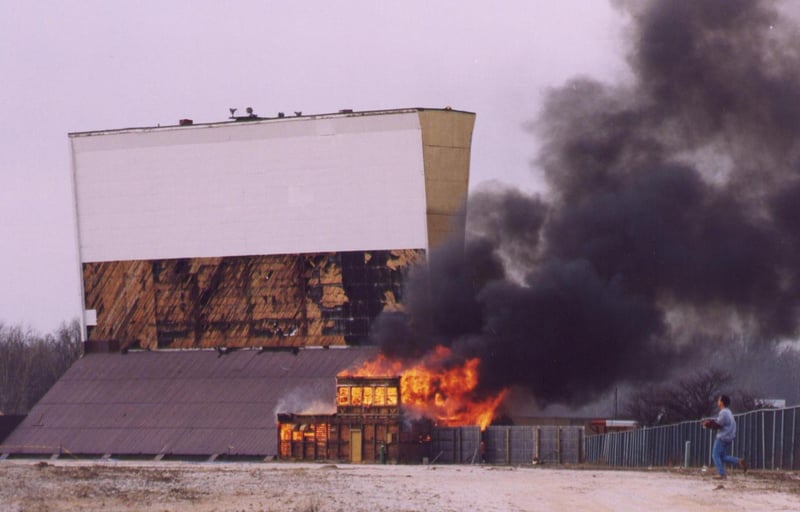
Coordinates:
column 672, row 215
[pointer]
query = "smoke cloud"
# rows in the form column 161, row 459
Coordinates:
column 672, row 211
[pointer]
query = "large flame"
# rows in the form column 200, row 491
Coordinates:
column 435, row 388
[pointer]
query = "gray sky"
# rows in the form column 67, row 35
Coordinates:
column 84, row 65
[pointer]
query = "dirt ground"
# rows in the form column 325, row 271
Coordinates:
column 73, row 485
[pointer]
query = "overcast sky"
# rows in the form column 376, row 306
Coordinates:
column 69, row 66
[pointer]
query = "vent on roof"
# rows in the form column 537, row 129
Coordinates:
column 346, row 111
column 251, row 116
column 185, row 122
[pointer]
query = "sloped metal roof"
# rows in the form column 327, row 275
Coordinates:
column 182, row 403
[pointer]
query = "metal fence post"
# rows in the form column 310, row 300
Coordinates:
column 687, row 451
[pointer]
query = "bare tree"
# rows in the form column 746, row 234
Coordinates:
column 30, row 363
column 691, row 398
column 12, row 359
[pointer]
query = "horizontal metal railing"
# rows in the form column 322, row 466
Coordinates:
column 766, row 438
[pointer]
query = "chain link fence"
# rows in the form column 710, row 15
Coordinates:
column 767, row 439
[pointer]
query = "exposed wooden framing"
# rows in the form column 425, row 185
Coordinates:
column 243, row 301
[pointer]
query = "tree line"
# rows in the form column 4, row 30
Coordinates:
column 30, row 363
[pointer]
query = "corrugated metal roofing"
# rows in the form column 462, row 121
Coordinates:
column 182, row 403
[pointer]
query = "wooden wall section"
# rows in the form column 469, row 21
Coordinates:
column 245, row 301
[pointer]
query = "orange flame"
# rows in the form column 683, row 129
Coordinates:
column 434, row 388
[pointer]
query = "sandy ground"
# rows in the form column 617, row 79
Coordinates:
column 70, row 485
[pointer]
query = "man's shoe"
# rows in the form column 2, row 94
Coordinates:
column 743, row 465
column 719, row 477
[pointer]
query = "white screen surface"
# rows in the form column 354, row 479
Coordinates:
column 285, row 186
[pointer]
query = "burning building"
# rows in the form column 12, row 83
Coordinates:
column 386, row 410
column 368, row 426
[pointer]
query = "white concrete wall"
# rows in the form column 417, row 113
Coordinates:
column 284, row 186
